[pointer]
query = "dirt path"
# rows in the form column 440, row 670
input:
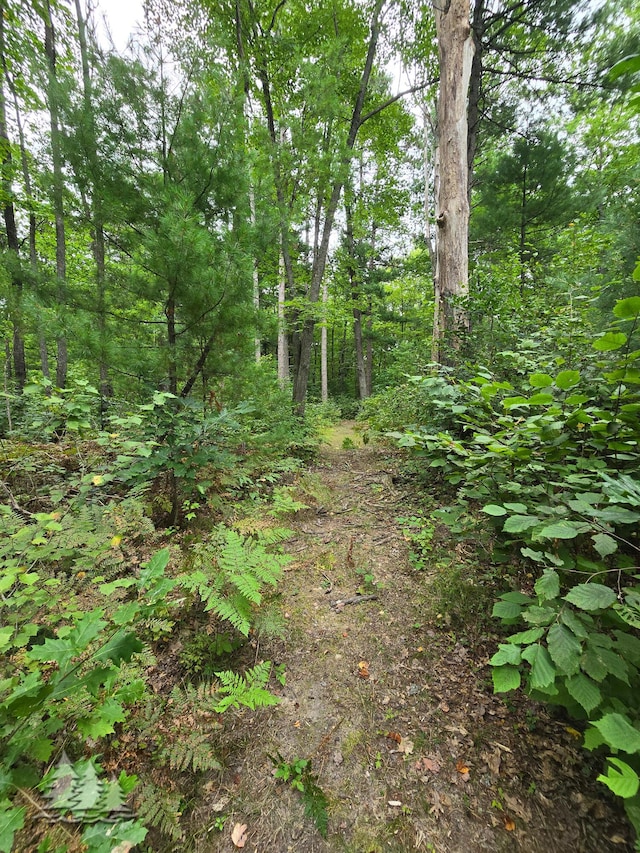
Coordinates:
column 406, row 739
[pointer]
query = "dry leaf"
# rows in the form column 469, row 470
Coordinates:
column 394, row 736
column 363, row 669
column 239, row 835
column 461, row 767
column 443, row 706
column 123, row 847
column 428, row 765
column 405, row 746
column 396, row 804
column 573, row 732
column 509, row 825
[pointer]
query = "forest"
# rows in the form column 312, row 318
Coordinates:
column 318, row 297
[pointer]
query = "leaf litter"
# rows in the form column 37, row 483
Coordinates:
column 414, row 752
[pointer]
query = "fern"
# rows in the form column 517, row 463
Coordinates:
column 229, row 573
column 191, row 750
column 162, row 809
column 248, row 689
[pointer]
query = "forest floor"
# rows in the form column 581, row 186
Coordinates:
column 393, row 706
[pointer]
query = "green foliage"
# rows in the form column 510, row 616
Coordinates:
column 229, row 573
column 299, row 776
column 553, row 466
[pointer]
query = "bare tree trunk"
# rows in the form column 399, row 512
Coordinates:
column 354, row 281
column 13, row 244
column 317, row 274
column 324, row 375
column 256, row 281
column 58, row 188
column 98, row 243
column 283, row 343
column 455, row 56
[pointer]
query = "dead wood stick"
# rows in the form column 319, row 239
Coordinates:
column 357, row 599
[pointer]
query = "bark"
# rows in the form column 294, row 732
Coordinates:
column 283, row 343
column 58, row 188
column 306, row 341
column 455, row 56
column 361, row 368
column 172, row 339
column 13, row 244
column 324, row 374
column 97, row 220
column 475, row 89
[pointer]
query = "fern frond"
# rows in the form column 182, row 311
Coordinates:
column 248, row 690
column 191, row 750
column 162, row 809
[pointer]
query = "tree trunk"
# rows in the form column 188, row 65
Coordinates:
column 283, row 343
column 320, row 261
column 98, row 243
column 58, row 189
column 13, row 244
column 475, row 90
column 455, row 56
column 361, row 369
column 324, row 373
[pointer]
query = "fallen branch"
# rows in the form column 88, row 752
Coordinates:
column 357, row 599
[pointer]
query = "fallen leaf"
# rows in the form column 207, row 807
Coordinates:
column 428, row 765
column 405, row 746
column 517, row 808
column 220, row 805
column 444, row 707
column 396, row 804
column 394, row 736
column 296, row 725
column 363, row 669
column 509, row 825
column 493, row 760
column 239, row 834
column 461, row 767
column 123, row 847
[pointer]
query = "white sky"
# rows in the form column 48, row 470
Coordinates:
column 122, row 17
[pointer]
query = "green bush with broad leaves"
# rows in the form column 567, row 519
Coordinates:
column 555, row 466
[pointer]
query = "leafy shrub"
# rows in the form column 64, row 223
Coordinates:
column 556, row 466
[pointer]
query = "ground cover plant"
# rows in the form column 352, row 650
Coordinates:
column 553, row 463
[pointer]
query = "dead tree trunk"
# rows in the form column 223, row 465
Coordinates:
column 455, row 56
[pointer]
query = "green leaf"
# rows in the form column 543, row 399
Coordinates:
column 585, row 691
column 506, row 654
column 561, row 530
column 621, row 779
column 575, row 623
column 494, row 509
column 618, row 733
column 564, row 648
column 539, row 615
column 548, row 586
column 531, row 635
column 604, row 544
column 610, row 341
column 11, row 820
column 516, row 507
column 102, row 719
column 592, row 739
column 506, row 610
column 120, row 647
column 540, row 380
column 567, row 379
column 520, row 523
column 6, row 635
column 628, row 65
column 627, row 309
column 505, row 678
column 543, row 672
column 591, row 596
column 540, row 399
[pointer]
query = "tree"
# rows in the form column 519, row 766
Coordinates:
column 455, row 55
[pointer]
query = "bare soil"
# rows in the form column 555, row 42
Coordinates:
column 393, row 706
